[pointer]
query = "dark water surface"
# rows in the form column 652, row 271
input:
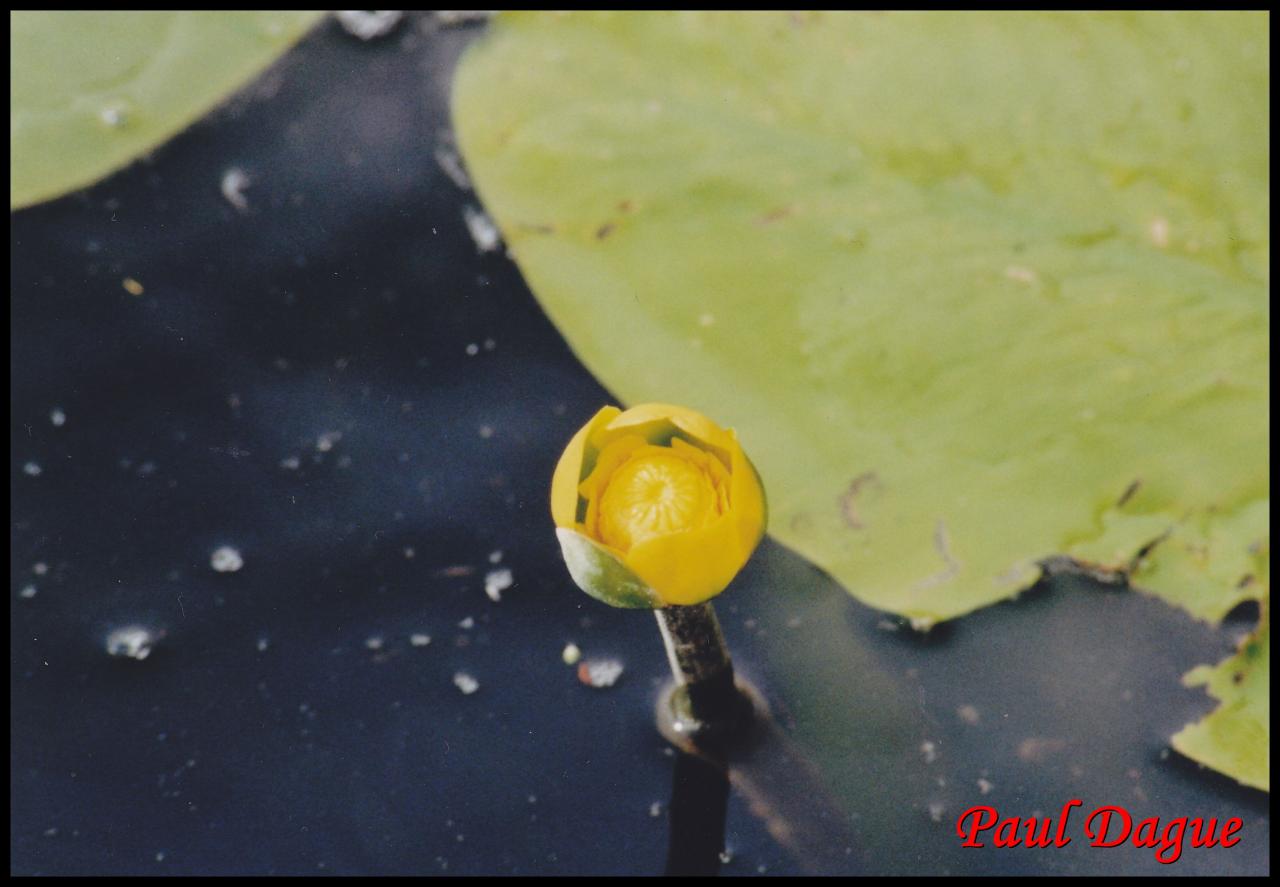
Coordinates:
column 339, row 385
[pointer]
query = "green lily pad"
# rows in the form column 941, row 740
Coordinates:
column 977, row 290
column 91, row 91
column 1235, row 738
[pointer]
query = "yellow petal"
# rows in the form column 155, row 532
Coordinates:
column 691, row 422
column 692, row 566
column 574, row 463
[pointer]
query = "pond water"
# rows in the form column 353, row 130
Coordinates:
column 272, row 455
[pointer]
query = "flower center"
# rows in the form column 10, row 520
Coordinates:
column 652, row 495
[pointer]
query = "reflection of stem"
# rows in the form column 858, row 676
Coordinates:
column 699, row 801
column 785, row 790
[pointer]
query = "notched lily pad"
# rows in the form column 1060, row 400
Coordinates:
column 1235, row 738
column 1014, row 267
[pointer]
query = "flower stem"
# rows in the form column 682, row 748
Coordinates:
column 706, row 704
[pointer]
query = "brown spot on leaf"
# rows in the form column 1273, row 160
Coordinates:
column 1129, row 492
column 604, row 230
column 775, row 215
column 848, row 499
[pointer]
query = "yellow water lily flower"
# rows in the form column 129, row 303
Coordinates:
column 655, row 506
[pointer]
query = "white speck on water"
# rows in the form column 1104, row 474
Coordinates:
column 496, row 582
column 726, row 857
column 233, row 184
column 368, row 24
column 28, row 592
column 923, row 623
column 887, row 625
column 707, row 319
column 985, row 786
column 571, row 654
column 467, row 624
column 600, row 673
column 533, row 799
column 132, row 642
column 325, row 442
column 39, row 568
column 51, row 832
column 57, row 417
column 929, row 750
column 290, row 463
column 968, row 714
column 408, row 552
column 655, row 809
column 226, row 559
column 466, row 683
column 449, row 161
column 263, row 644
column 453, row 17
column 32, row 469
column 483, row 231
column 373, row 642
column 495, row 556
column 473, row 349
column 486, row 431
column 418, row 639
column 490, row 344
column 936, row 809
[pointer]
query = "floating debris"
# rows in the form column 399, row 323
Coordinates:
column 496, row 582
column 373, row 642
column 40, row 568
column 132, row 642
column 234, row 182
column 369, row 24
column 419, row 639
column 490, row 344
column 600, row 673
column 226, row 559
column 290, row 463
column 571, row 654
column 936, row 810
column 472, row 349
column 467, row 624
column 453, row 17
column 32, row 469
column 482, row 229
column 325, row 442
column 929, row 750
column 495, row 557
column 486, row 431
column 726, row 857
column 968, row 714
column 985, row 786
column 448, row 160
column 57, row 417
column 466, row 683
column 263, row 644
column 132, row 287
column 655, row 809
column 28, row 592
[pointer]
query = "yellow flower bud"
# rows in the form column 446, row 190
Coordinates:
column 655, row 506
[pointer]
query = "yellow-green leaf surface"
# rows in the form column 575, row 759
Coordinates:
column 1236, row 737
column 91, row 91
column 976, row 289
